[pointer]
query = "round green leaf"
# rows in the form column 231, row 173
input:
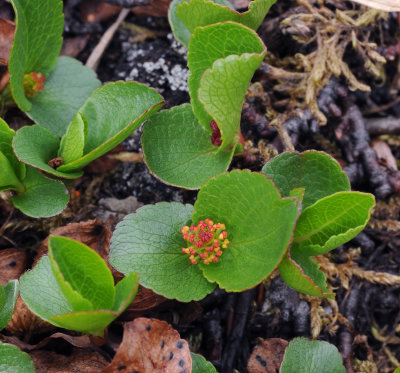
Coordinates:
column 331, row 222
column 113, row 112
column 43, row 197
column 317, row 172
column 259, row 225
column 304, row 275
column 81, row 274
column 303, row 355
column 149, row 242
column 231, row 39
column 13, row 360
column 201, row 365
column 179, row 151
column 8, row 179
column 10, row 297
column 36, row 146
column 125, row 292
column 65, row 91
column 37, row 42
column 2, row 296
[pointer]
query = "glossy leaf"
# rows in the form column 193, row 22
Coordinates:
column 43, row 197
column 304, row 275
column 259, row 225
column 303, row 355
column 10, row 293
column 65, row 91
column 37, row 43
column 222, row 91
column 8, row 179
column 331, row 222
column 113, row 112
column 179, row 151
column 36, row 146
column 232, row 39
column 201, row 365
column 149, row 242
column 317, row 172
column 41, row 292
column 13, row 360
column 81, row 274
column 196, row 13
column 6, row 136
column 181, row 33
column 73, row 142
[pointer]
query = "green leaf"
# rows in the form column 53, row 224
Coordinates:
column 43, row 197
column 81, row 274
column 303, row 355
column 304, row 275
column 73, row 142
column 6, row 136
column 65, row 91
column 181, row 33
column 10, row 293
column 149, row 242
column 89, row 322
column 201, row 365
column 41, row 293
column 36, row 146
column 179, row 151
column 187, row 16
column 331, row 222
column 113, row 112
column 317, row 172
column 125, row 292
column 231, row 39
column 37, row 43
column 13, row 360
column 222, row 91
column 8, row 179
column 259, row 225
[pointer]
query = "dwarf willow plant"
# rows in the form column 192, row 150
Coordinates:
column 8, row 297
column 95, row 129
column 188, row 144
column 73, row 288
column 242, row 227
column 50, row 89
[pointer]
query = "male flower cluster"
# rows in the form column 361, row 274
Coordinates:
column 33, row 83
column 206, row 241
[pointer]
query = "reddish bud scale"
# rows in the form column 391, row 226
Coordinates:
column 33, row 83
column 216, row 134
column 205, row 241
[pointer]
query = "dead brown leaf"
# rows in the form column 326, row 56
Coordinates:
column 92, row 233
column 78, row 361
column 12, row 264
column 150, row 346
column 7, row 29
column 384, row 154
column 97, row 11
column 144, row 301
column 267, row 357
